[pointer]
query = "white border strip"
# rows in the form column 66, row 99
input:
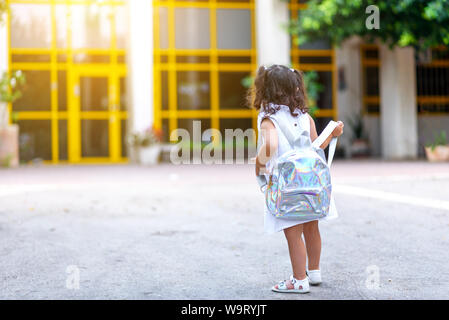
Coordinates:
column 16, row 189
column 392, row 196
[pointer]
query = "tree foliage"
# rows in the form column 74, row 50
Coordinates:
column 419, row 23
column 3, row 9
column 10, row 86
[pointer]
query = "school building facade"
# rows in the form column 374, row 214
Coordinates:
column 97, row 70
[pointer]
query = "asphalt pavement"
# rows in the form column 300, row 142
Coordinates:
column 196, row 232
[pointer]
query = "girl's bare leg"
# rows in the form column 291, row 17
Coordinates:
column 297, row 250
column 313, row 244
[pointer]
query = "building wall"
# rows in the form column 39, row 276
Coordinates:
column 432, row 95
column 372, row 125
column 428, row 126
column 75, row 106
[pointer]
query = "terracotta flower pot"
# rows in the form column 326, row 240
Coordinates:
column 9, row 146
column 439, row 153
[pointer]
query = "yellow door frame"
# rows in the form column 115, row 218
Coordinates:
column 113, row 114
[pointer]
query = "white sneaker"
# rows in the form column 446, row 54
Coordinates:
column 292, row 286
column 314, row 277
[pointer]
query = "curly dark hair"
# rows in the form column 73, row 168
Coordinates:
column 278, row 85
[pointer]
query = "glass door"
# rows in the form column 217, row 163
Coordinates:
column 95, row 119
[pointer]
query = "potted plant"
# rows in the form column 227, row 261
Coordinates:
column 438, row 150
column 9, row 133
column 146, row 146
column 360, row 145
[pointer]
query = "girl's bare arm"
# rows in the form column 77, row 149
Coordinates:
column 269, row 146
column 338, row 131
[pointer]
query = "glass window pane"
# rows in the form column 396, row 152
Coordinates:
column 62, row 90
column 188, row 124
column 121, row 22
column 123, row 94
column 94, row 93
column 371, row 53
column 316, row 45
column 163, row 28
column 193, row 90
column 232, row 92
column 325, row 96
column 124, row 125
column 243, row 123
column 321, row 123
column 164, row 90
column 36, row 94
column 62, row 57
column 30, row 58
column 315, row 60
column 192, row 59
column 432, row 81
column 91, row 26
column 372, row 108
column 35, row 139
column 62, row 139
column 165, row 131
column 121, row 58
column 94, row 138
column 91, row 58
column 192, row 28
column 233, row 29
column 30, row 26
column 61, row 26
column 232, row 59
column 372, row 81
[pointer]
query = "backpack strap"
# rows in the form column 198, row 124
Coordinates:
column 323, row 136
column 318, row 141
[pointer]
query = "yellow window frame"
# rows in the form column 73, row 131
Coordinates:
column 376, row 62
column 114, row 70
column 215, row 113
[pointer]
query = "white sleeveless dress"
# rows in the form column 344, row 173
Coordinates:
column 298, row 124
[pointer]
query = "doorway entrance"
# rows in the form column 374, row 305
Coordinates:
column 97, row 116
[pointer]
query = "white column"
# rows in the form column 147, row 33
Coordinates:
column 3, row 62
column 273, row 41
column 349, row 98
column 140, row 64
column 399, row 124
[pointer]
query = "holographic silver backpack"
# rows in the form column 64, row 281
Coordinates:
column 299, row 185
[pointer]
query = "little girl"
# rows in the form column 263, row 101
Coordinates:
column 280, row 96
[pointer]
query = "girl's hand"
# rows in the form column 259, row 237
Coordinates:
column 338, row 131
column 260, row 168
